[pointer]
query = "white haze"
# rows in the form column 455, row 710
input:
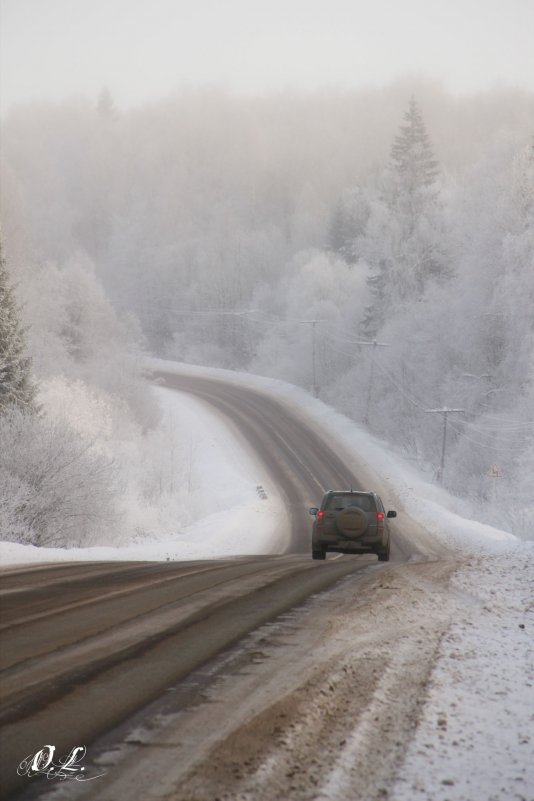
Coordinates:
column 145, row 49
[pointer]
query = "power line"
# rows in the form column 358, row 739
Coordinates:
column 339, row 338
column 385, row 372
column 484, row 445
column 506, row 424
column 516, row 426
column 507, row 436
column 352, row 356
column 400, row 389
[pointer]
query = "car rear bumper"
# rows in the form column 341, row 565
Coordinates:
column 364, row 544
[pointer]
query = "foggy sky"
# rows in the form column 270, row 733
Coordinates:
column 143, row 49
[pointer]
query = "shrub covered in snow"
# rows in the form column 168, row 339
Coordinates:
column 55, row 488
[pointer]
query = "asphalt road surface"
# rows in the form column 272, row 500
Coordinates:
column 86, row 648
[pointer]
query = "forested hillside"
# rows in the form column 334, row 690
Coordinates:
column 376, row 247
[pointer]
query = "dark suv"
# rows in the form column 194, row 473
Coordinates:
column 351, row 522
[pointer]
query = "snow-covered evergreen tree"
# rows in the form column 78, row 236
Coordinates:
column 16, row 386
column 404, row 242
column 415, row 204
column 413, row 158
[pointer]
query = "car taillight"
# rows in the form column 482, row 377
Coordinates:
column 380, row 515
column 320, row 515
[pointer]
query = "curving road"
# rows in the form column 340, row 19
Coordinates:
column 297, row 457
column 85, row 646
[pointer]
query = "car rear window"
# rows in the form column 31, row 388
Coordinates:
column 340, row 502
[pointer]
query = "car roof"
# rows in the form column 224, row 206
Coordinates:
column 349, row 492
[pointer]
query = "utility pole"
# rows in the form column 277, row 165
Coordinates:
column 314, row 362
column 374, row 344
column 445, row 412
column 313, row 323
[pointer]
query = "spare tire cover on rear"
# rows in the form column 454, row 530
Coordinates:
column 351, row 522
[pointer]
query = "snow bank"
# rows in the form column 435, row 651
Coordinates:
column 474, row 740
column 217, row 480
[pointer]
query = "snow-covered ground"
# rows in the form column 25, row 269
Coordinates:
column 480, row 706
column 475, row 741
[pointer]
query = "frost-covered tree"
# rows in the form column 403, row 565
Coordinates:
column 56, row 489
column 347, row 225
column 415, row 204
column 413, row 159
column 16, row 386
column 469, row 343
column 75, row 332
column 404, row 244
column 341, row 231
column 317, row 287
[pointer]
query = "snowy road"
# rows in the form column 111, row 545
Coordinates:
column 300, row 462
column 82, row 648
column 74, row 634
column 371, row 689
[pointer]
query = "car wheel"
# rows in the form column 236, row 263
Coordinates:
column 319, row 554
column 383, row 556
